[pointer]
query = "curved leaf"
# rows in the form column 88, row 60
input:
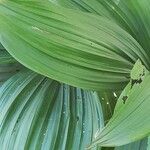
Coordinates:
column 87, row 51
column 5, row 57
column 131, row 121
column 1, row 47
column 136, row 14
column 41, row 114
column 131, row 15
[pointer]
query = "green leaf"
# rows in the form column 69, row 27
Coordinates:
column 133, row 16
column 136, row 15
column 69, row 46
column 6, row 58
column 125, row 13
column 100, row 7
column 139, row 145
column 130, row 121
column 41, row 114
column 108, row 101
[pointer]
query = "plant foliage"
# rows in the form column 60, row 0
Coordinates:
column 74, row 74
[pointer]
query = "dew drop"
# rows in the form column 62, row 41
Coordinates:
column 115, row 95
column 64, row 112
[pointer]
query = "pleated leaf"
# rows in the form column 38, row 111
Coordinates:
column 100, row 7
column 136, row 15
column 69, row 46
column 131, row 15
column 131, row 121
column 37, row 113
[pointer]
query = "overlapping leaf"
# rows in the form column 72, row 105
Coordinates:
column 133, row 16
column 136, row 15
column 41, row 114
column 128, row 124
column 83, row 50
column 5, row 57
column 73, row 47
column 108, row 101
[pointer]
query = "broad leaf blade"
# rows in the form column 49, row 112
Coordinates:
column 86, row 51
column 133, row 16
column 39, row 113
column 128, row 124
column 136, row 14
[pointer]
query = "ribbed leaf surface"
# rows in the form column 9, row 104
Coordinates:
column 139, row 145
column 69, row 46
column 131, row 120
column 40, row 114
column 133, row 16
column 136, row 15
column 100, row 7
